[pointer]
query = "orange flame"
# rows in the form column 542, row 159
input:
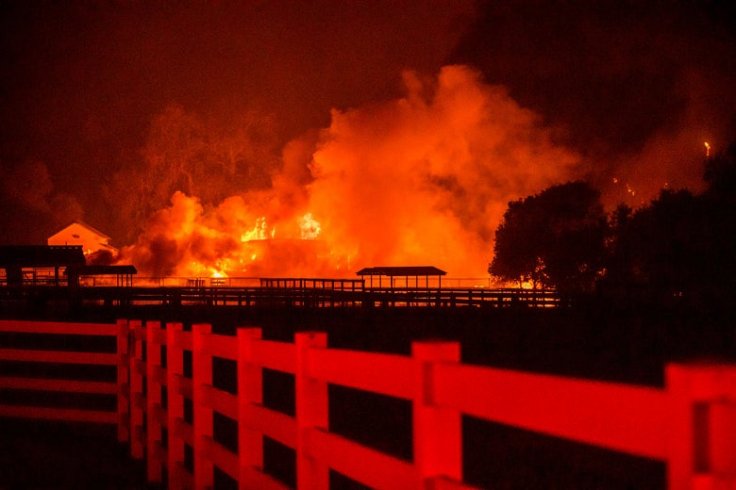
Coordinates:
column 309, row 227
column 423, row 179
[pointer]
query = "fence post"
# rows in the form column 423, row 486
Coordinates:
column 722, row 432
column 681, row 462
column 250, row 392
column 123, row 381
column 311, row 413
column 153, row 401
column 201, row 381
column 175, row 403
column 137, row 437
column 437, row 430
column 702, row 426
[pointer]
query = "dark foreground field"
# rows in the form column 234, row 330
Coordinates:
column 626, row 345
column 66, row 456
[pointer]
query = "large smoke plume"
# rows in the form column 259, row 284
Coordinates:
column 637, row 87
column 421, row 179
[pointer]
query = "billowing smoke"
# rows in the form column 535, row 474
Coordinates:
column 422, row 179
column 635, row 87
column 127, row 103
column 674, row 154
column 88, row 85
column 28, row 196
column 198, row 157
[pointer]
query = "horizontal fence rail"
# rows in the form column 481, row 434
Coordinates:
column 292, row 294
column 690, row 424
column 118, row 359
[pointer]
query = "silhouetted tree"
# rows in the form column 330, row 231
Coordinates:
column 555, row 238
column 515, row 252
column 658, row 246
column 719, row 202
column 681, row 245
column 720, row 175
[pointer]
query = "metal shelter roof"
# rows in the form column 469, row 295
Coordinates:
column 101, row 270
column 403, row 271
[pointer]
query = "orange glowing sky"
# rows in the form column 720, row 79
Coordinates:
column 393, row 132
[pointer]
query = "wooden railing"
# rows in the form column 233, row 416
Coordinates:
column 290, row 297
column 690, row 424
column 119, row 359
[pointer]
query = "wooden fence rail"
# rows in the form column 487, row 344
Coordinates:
column 119, row 359
column 300, row 294
column 690, row 424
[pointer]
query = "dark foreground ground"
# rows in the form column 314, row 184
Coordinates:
column 65, row 456
column 629, row 345
column 73, row 456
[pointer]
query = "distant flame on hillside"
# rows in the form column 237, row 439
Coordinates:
column 423, row 179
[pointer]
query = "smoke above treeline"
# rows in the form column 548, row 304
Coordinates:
column 421, row 178
column 315, row 138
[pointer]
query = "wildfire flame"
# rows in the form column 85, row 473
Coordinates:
column 423, row 179
column 258, row 232
column 309, row 227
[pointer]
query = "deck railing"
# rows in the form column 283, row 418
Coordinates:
column 308, row 297
column 690, row 424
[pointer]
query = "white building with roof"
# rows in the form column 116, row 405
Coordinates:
column 78, row 233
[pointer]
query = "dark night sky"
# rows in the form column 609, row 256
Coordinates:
column 84, row 82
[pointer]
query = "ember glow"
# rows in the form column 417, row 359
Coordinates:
column 309, row 227
column 422, row 179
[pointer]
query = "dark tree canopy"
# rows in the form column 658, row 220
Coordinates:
column 720, row 175
column 660, row 245
column 555, row 238
column 680, row 245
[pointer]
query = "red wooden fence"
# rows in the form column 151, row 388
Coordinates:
column 119, row 359
column 690, row 424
